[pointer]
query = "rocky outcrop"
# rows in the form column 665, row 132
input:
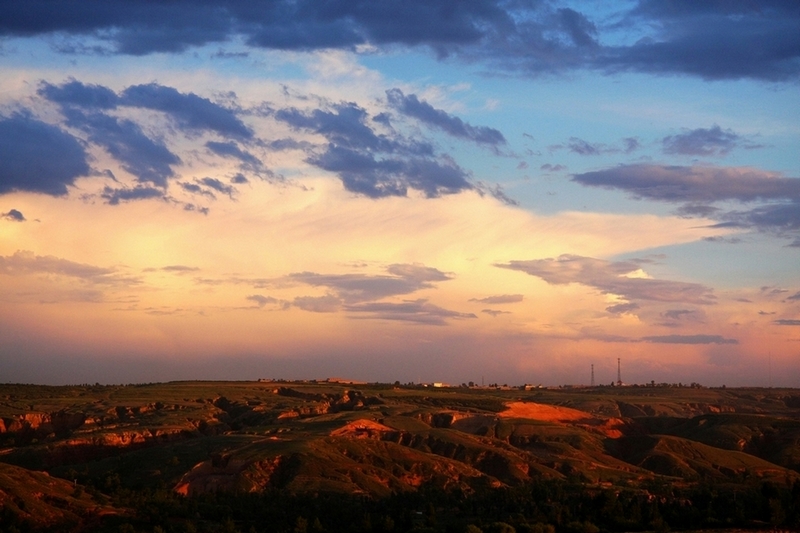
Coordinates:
column 320, row 404
column 38, row 425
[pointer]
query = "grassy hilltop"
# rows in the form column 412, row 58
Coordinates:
column 205, row 455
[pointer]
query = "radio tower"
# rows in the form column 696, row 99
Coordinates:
column 592, row 375
column 619, row 374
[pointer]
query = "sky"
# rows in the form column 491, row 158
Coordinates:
column 496, row 191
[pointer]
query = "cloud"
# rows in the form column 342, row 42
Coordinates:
column 371, row 164
column 677, row 314
column 86, row 107
column 392, row 176
column 701, row 141
column 426, row 113
column 13, row 215
column 694, row 184
column 621, row 309
column 194, row 188
column 217, row 185
column 318, row 304
column 353, row 288
column 689, row 339
column 188, row 110
column 500, row 299
column 230, row 149
column 495, row 312
column 795, row 296
column 148, row 160
column 76, row 93
column 417, row 311
column 713, row 41
column 786, row 322
column 729, row 40
column 179, row 269
column 581, row 147
column 779, row 217
column 25, row 262
column 343, row 125
column 38, row 157
column 260, row 300
column 612, row 278
column 115, row 196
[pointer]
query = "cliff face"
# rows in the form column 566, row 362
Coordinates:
column 41, row 501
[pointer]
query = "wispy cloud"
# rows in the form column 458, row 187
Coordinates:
column 612, row 278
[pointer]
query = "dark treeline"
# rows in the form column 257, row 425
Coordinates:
column 536, row 507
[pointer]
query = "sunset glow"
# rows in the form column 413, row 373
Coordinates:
column 502, row 192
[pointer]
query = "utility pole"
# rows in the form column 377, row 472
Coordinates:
column 619, row 374
column 592, row 375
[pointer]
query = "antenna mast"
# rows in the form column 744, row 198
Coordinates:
column 592, row 375
column 619, row 373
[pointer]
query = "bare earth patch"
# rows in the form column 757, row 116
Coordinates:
column 362, row 428
column 609, row 427
column 544, row 412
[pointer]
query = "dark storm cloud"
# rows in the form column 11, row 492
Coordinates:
column 38, row 157
column 712, row 40
column 611, row 278
column 689, row 339
column 189, row 110
column 426, row 113
column 416, row 311
column 501, row 299
column 149, row 160
column 13, row 215
column 702, row 141
column 693, row 184
column 371, row 164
